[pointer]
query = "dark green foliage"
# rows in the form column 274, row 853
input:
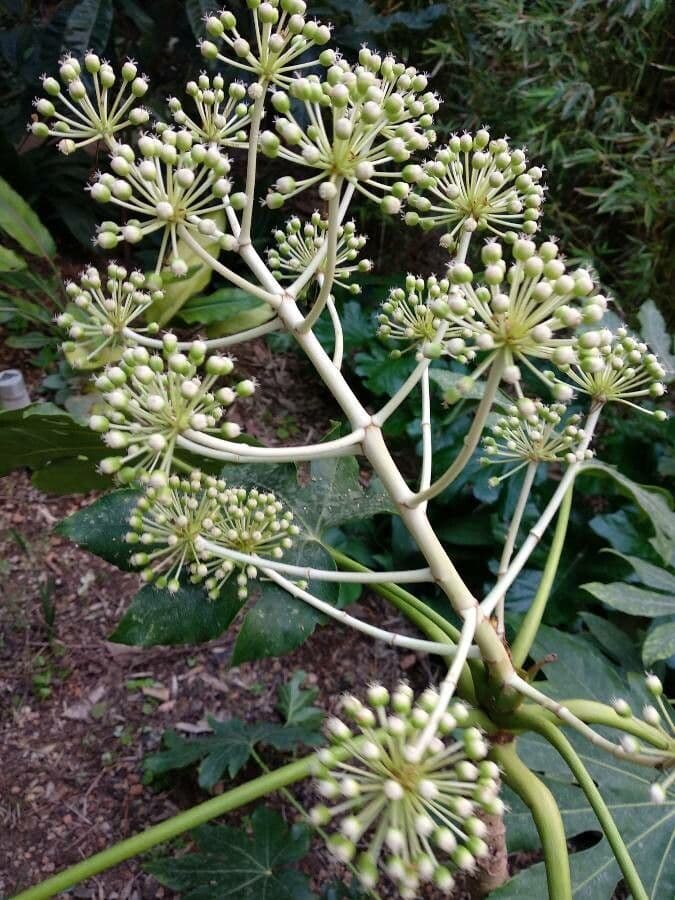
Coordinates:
column 580, row 670
column 231, row 864
column 233, row 741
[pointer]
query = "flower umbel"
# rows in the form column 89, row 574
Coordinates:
column 524, row 312
column 78, row 119
column 475, row 183
column 175, row 182
column 415, row 818
column 105, row 309
column 613, row 368
column 282, row 33
column 532, row 432
column 149, row 400
column 173, row 520
column 365, row 121
column 221, row 118
column 298, row 243
column 414, row 315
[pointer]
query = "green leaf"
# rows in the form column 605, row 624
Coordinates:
column 19, row 221
column 295, row 703
column 632, row 600
column 33, row 340
column 657, row 335
column 186, row 617
column 278, row 622
column 88, row 26
column 659, row 644
column 41, row 434
column 195, row 10
column 650, row 575
column 652, row 501
column 646, row 828
column 101, row 527
column 10, row 261
column 228, row 310
column 69, row 476
column 615, row 642
column 227, row 750
column 230, row 865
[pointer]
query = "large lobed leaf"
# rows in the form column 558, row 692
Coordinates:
column 62, row 453
column 646, row 828
column 19, row 221
column 275, row 623
column 230, row 864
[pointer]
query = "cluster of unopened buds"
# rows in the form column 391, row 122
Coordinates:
column 526, row 311
column 413, row 315
column 222, row 117
column 416, row 812
column 173, row 523
column 298, row 243
column 381, row 113
column 660, row 716
column 151, row 399
column 532, row 432
column 70, row 114
column 476, row 184
column 612, row 367
column 282, row 36
column 103, row 310
column 175, row 182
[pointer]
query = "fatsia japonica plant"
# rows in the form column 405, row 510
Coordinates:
column 410, row 789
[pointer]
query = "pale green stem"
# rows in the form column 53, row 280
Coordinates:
column 407, row 576
column 546, row 814
column 536, row 533
column 569, row 718
column 197, row 441
column 392, row 638
column 328, row 274
column 425, row 426
column 511, row 538
column 251, row 162
column 472, row 437
column 558, row 740
column 243, row 283
column 171, row 828
column 530, row 624
column 229, row 340
column 338, row 350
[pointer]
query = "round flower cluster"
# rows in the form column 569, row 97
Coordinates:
column 77, row 119
column 282, row 36
column 379, row 114
column 414, row 315
column 523, row 313
column 415, row 816
column 532, row 432
column 151, row 399
column 172, row 522
column 298, row 243
column 475, row 183
column 221, row 117
column 175, row 182
column 612, row 368
column 104, row 311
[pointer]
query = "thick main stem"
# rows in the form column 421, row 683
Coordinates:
column 541, row 803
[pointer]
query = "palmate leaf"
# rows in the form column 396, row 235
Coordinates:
column 230, row 864
column 647, row 829
column 227, row 750
column 62, row 454
column 295, row 703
